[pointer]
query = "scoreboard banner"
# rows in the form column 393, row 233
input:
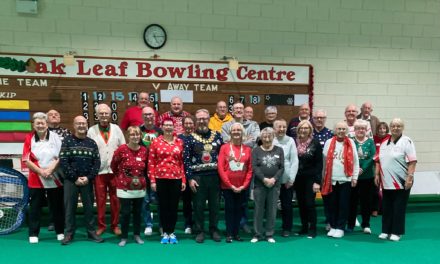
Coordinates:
column 77, row 89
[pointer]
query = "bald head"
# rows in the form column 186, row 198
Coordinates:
column 366, row 110
column 80, row 127
column 304, row 111
column 176, row 105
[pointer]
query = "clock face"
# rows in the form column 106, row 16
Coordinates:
column 155, row 36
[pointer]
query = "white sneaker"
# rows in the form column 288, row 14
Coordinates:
column 367, row 230
column 331, row 232
column 383, row 236
column 357, row 223
column 254, row 240
column 60, row 237
column 394, row 237
column 188, row 230
column 338, row 233
column 33, row 240
column 270, row 240
column 148, row 231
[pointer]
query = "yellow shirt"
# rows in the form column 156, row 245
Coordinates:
column 215, row 123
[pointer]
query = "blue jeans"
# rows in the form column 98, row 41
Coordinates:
column 150, row 197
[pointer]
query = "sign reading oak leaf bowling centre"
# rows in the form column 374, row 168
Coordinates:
column 75, row 90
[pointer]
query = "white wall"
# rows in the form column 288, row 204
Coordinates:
column 383, row 51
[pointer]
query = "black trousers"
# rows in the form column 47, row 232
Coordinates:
column 393, row 211
column 339, row 201
column 306, row 202
column 286, row 196
column 233, row 210
column 71, row 193
column 130, row 206
column 168, row 193
column 37, row 198
column 361, row 194
column 208, row 190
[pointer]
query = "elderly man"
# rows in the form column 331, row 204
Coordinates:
column 252, row 130
column 133, row 115
column 200, row 158
column 304, row 114
column 270, row 115
column 149, row 132
column 320, row 131
column 351, row 113
column 53, row 122
column 79, row 159
column 366, row 115
column 177, row 114
column 322, row 134
column 108, row 137
column 220, row 117
column 248, row 113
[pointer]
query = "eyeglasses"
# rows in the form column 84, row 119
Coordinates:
column 319, row 117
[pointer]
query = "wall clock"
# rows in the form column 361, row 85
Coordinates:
column 155, row 36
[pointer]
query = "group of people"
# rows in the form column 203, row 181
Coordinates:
column 200, row 158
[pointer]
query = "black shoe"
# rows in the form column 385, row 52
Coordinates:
column 229, row 239
column 285, row 233
column 246, row 229
column 215, row 236
column 200, row 238
column 302, row 232
column 238, row 238
column 312, row 233
column 94, row 237
column 51, row 227
column 67, row 239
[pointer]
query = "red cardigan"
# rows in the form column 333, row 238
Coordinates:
column 236, row 178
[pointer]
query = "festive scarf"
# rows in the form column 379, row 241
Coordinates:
column 348, row 163
column 302, row 146
column 105, row 132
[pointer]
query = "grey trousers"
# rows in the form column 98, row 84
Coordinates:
column 71, row 192
column 265, row 205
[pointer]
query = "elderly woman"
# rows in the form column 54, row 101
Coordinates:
column 235, row 171
column 395, row 167
column 129, row 166
column 383, row 134
column 364, row 190
column 308, row 179
column 288, row 178
column 167, row 177
column 40, row 153
column 188, row 127
column 268, row 169
column 341, row 170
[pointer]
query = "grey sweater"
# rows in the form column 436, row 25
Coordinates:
column 267, row 164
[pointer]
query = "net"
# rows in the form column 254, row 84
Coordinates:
column 14, row 197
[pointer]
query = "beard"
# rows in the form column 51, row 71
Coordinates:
column 202, row 129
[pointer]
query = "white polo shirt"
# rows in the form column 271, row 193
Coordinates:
column 394, row 158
